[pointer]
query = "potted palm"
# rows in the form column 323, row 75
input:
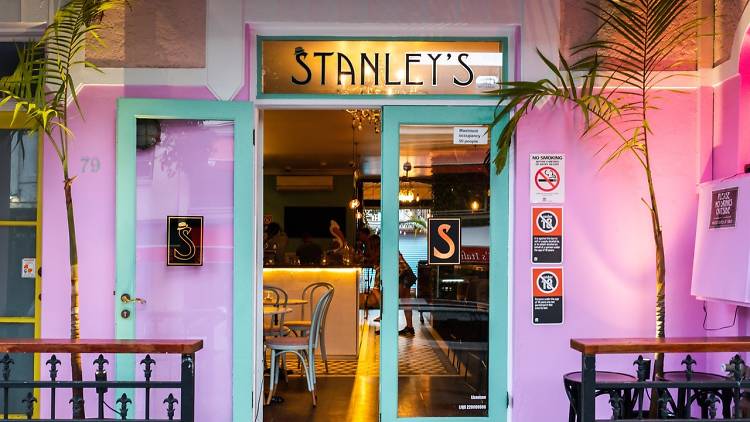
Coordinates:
column 613, row 85
column 42, row 90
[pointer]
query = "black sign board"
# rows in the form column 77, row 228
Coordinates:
column 548, row 295
column 185, row 241
column 444, row 241
column 547, row 235
column 723, row 208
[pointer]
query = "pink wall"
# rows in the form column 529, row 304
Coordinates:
column 609, row 266
column 94, row 199
column 609, row 258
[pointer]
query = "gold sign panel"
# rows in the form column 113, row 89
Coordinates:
column 380, row 67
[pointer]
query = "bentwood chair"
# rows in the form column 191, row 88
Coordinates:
column 302, row 326
column 275, row 296
column 304, row 347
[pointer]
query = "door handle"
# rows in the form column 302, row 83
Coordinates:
column 125, row 298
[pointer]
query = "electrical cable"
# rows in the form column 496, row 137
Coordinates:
column 705, row 319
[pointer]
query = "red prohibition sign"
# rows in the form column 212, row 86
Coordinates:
column 542, row 177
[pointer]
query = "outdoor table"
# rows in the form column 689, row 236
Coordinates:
column 589, row 348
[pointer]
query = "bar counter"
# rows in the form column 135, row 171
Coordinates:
column 342, row 327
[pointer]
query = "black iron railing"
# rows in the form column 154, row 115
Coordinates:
column 174, row 395
column 679, row 395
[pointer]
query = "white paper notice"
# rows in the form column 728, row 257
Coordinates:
column 547, row 178
column 28, row 268
column 470, row 135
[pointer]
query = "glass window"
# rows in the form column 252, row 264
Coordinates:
column 16, row 292
column 443, row 274
column 185, row 172
column 22, row 369
column 18, row 175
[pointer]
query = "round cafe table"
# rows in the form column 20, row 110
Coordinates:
column 275, row 310
column 289, row 302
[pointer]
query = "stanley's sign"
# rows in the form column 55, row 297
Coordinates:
column 380, row 67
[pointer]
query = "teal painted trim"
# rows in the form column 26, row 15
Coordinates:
column 259, row 67
column 393, row 118
column 241, row 113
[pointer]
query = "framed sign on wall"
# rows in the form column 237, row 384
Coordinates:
column 184, row 241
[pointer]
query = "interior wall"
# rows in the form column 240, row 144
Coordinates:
column 274, row 202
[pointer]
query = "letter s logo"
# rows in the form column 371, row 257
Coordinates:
column 183, row 231
column 443, row 233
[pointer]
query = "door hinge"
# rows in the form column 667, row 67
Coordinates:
column 508, row 400
column 253, row 137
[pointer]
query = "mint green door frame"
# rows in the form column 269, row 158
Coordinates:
column 241, row 114
column 393, row 118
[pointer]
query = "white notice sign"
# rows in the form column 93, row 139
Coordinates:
column 470, row 135
column 547, row 178
column 28, row 268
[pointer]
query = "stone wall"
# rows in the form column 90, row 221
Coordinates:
column 164, row 34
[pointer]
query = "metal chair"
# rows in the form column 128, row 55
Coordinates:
column 304, row 347
column 302, row 326
column 622, row 400
column 278, row 298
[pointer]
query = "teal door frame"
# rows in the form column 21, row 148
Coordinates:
column 242, row 115
column 393, row 118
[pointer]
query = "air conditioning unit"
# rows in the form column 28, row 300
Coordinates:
column 304, row 183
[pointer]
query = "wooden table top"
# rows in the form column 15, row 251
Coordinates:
column 289, row 302
column 99, row 346
column 667, row 345
column 275, row 310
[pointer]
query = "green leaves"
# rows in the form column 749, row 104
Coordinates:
column 630, row 53
column 42, row 83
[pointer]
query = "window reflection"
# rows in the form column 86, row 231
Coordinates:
column 443, row 347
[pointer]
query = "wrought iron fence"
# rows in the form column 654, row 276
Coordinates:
column 123, row 405
column 681, row 395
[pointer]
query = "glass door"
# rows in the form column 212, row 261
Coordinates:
column 20, row 248
column 445, row 267
column 185, row 230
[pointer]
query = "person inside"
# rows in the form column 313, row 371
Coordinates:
column 309, row 252
column 406, row 279
column 275, row 242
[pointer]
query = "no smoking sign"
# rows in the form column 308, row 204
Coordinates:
column 547, row 178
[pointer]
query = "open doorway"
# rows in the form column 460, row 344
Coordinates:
column 321, row 208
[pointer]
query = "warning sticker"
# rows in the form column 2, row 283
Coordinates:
column 547, row 178
column 547, row 306
column 547, row 235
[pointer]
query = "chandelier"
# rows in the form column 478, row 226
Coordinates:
column 406, row 194
column 360, row 117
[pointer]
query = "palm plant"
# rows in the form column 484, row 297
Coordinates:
column 40, row 89
column 615, row 88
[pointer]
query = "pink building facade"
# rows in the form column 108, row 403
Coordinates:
column 609, row 260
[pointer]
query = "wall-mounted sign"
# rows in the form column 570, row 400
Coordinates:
column 470, row 135
column 379, row 67
column 184, row 241
column 723, row 208
column 444, row 241
column 547, row 235
column 547, row 295
column 547, row 178
column 28, row 268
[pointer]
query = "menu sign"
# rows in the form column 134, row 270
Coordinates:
column 184, row 241
column 380, row 67
column 723, row 208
